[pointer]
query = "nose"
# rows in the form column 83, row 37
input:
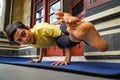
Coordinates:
column 24, row 40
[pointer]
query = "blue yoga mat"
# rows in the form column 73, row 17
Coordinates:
column 96, row 68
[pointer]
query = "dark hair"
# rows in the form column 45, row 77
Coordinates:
column 11, row 29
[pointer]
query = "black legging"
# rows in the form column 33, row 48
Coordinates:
column 64, row 41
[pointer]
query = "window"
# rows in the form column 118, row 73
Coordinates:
column 38, row 11
column 2, row 12
column 77, row 8
column 53, row 7
column 43, row 10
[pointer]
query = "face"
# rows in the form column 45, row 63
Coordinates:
column 24, row 36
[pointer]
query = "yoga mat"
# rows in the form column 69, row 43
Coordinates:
column 94, row 68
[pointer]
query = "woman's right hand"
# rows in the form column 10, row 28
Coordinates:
column 34, row 61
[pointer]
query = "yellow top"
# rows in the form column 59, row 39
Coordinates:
column 45, row 34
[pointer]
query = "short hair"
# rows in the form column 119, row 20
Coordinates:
column 11, row 29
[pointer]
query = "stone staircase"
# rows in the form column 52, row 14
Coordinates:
column 12, row 49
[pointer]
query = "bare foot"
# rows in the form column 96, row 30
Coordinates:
column 87, row 32
column 61, row 16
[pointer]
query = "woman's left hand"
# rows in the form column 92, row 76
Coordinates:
column 61, row 62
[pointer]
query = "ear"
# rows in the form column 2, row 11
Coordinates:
column 27, row 27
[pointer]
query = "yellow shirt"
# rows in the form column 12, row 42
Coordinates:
column 45, row 34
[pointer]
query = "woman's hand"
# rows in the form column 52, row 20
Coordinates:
column 61, row 63
column 34, row 61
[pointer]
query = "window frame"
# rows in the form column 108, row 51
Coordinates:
column 34, row 11
column 51, row 4
column 80, row 14
column 46, row 6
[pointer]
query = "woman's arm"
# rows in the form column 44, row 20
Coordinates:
column 39, row 59
column 67, row 59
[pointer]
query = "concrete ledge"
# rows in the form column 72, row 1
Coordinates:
column 103, row 14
